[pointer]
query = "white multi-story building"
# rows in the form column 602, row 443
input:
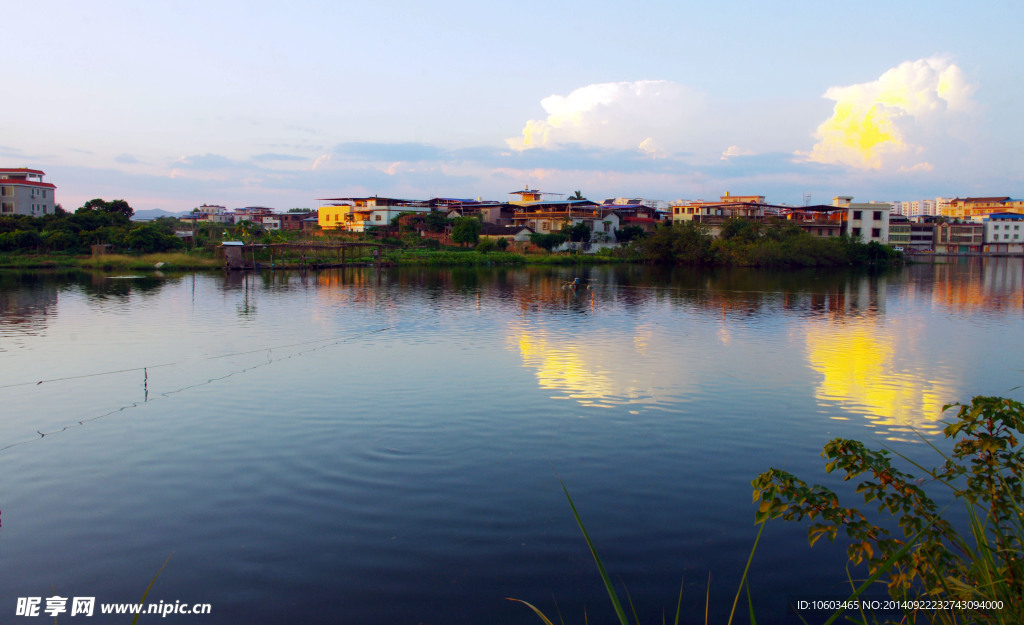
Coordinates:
column 928, row 208
column 866, row 221
column 1004, row 232
column 213, row 213
column 23, row 192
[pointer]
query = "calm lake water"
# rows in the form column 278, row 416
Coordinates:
column 386, row 446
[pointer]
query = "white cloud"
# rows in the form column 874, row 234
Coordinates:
column 649, row 115
column 321, row 160
column 735, row 150
column 919, row 167
column 885, row 122
column 649, row 147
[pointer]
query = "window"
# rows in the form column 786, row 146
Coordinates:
column 876, row 233
column 856, row 232
column 856, row 214
column 6, row 191
column 878, row 216
column 376, row 217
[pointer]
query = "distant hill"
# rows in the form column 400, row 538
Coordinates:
column 153, row 213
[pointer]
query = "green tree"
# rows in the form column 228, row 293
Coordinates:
column 502, row 244
column 466, row 230
column 548, row 241
column 149, row 239
column 61, row 240
column 629, row 233
column 436, row 221
column 686, row 242
column 740, row 229
column 115, row 207
column 580, row 233
column 486, row 245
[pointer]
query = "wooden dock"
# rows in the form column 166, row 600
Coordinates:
column 311, row 255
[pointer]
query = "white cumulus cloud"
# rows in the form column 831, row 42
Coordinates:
column 735, row 150
column 894, row 118
column 651, row 116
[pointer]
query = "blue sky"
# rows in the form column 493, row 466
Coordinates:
column 172, row 105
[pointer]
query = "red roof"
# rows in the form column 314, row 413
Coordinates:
column 31, row 183
column 21, row 170
column 987, row 200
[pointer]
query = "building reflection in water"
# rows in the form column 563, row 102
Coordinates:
column 25, row 305
column 974, row 284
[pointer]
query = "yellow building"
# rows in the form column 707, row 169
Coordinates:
column 980, row 207
column 335, row 216
column 728, row 205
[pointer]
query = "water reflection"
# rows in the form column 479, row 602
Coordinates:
column 973, row 285
column 870, row 369
column 25, row 304
column 637, row 335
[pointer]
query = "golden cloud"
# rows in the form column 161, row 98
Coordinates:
column 868, row 126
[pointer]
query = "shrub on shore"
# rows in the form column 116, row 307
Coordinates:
column 977, row 575
column 744, row 243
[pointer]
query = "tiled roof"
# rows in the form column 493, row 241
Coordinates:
column 29, row 183
column 20, row 170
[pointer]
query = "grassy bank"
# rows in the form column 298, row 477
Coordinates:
column 452, row 258
column 168, row 261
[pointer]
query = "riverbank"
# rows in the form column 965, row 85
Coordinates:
column 204, row 260
column 109, row 262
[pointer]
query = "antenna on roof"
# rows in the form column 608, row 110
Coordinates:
column 807, row 198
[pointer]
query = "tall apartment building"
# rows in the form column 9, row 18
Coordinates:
column 928, row 208
column 23, row 192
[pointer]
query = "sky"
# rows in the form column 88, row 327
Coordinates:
column 172, row 105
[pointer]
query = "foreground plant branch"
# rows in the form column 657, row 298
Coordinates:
column 980, row 566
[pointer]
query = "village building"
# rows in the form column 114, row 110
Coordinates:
column 959, row 237
column 23, row 192
column 357, row 214
column 1004, row 233
column 728, row 205
column 866, row 221
column 977, row 208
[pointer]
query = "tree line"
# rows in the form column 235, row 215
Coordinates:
column 96, row 222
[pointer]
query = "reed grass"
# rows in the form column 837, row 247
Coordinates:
column 617, row 604
column 150, row 587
